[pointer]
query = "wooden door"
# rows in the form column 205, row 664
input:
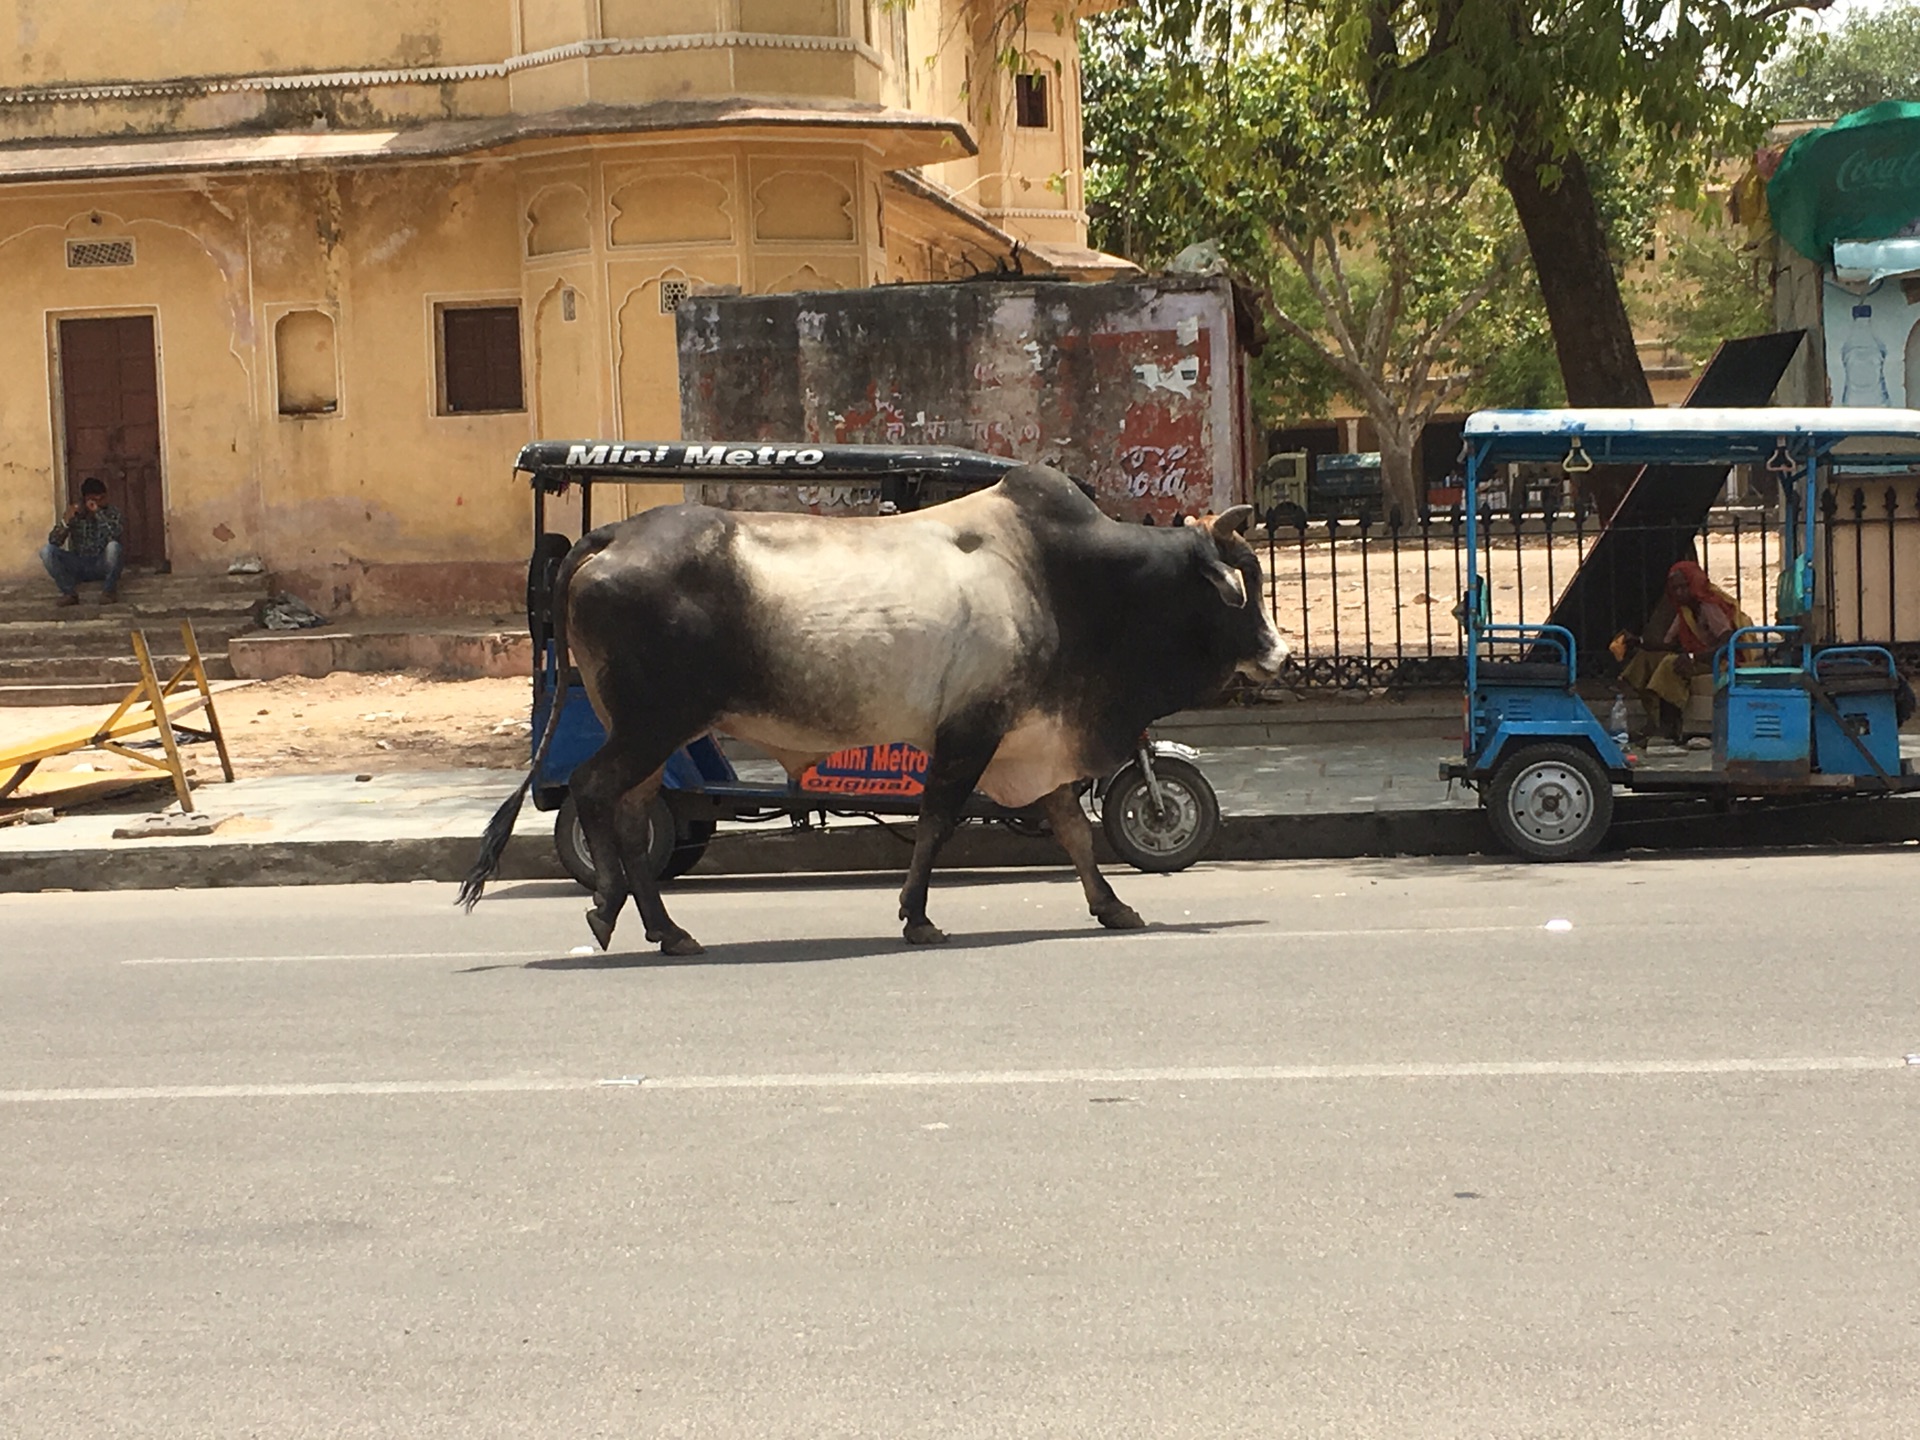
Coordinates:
column 111, row 400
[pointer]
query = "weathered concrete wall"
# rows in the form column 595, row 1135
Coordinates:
column 1134, row 387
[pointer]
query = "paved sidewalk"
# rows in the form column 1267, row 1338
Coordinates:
column 1373, row 792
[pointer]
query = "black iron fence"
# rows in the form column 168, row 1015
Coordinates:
column 1871, row 552
column 1374, row 604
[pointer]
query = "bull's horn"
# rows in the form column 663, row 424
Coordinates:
column 1234, row 521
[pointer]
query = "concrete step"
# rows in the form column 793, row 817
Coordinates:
column 29, row 640
column 121, row 670
column 41, row 611
column 448, row 648
column 146, row 589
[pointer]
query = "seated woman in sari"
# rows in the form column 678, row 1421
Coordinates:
column 1692, row 620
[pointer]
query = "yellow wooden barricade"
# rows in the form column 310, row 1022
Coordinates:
column 152, row 704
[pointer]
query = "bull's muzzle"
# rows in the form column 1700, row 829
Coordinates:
column 1268, row 664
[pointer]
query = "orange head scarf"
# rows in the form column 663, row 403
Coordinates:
column 1692, row 635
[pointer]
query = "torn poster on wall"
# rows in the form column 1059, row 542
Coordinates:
column 1136, row 388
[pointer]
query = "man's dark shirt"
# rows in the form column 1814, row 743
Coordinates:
column 89, row 532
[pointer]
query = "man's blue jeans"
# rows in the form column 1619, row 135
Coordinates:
column 70, row 570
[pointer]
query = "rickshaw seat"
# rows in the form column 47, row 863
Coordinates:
column 1524, row 672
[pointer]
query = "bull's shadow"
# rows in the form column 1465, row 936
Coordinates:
column 857, row 947
column 784, row 880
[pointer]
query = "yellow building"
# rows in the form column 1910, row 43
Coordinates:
column 297, row 281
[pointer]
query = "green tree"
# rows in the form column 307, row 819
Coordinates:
column 1713, row 286
column 1870, row 56
column 1540, row 93
column 1376, row 262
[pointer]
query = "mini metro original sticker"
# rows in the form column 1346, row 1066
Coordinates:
column 721, row 457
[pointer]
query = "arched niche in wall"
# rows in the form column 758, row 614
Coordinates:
column 790, row 17
column 648, row 369
column 306, row 369
column 557, row 222
column 633, row 19
column 676, row 207
column 803, row 205
column 805, row 278
column 566, row 381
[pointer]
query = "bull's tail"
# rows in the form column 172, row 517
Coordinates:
column 500, row 829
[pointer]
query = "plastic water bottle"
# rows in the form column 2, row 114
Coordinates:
column 1863, row 363
column 1617, row 721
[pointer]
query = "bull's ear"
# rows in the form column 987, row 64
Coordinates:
column 1234, row 521
column 1229, row 582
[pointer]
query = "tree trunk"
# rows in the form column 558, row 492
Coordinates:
column 1591, row 332
column 1399, row 478
column 1568, row 241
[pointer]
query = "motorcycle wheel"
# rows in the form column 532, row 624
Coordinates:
column 570, row 839
column 1165, row 840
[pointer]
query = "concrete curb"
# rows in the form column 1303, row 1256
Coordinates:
column 1639, row 824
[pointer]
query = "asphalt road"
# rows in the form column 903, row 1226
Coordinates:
column 1396, row 1148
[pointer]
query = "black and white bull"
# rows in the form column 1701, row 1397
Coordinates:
column 1017, row 635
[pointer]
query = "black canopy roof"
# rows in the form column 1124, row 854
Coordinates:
column 555, row 464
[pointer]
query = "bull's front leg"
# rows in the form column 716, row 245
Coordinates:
column 958, row 759
column 1075, row 835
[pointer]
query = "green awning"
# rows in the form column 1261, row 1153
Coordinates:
column 1858, row 179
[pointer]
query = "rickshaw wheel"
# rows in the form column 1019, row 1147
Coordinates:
column 1165, row 840
column 571, row 841
column 1550, row 802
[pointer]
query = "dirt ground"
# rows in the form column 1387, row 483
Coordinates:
column 368, row 724
column 365, row 724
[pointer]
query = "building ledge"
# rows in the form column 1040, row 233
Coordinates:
column 1078, row 262
column 95, row 92
column 902, row 138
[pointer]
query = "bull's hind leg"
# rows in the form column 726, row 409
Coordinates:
column 610, row 788
column 959, row 758
column 1075, row 835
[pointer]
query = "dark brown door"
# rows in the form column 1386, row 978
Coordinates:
column 111, row 396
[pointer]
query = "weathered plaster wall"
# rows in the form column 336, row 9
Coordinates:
column 192, row 277
column 74, row 42
column 366, row 496
column 386, row 480
column 382, row 502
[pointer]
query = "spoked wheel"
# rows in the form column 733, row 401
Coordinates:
column 19, row 777
column 570, row 839
column 1167, row 837
column 1550, row 802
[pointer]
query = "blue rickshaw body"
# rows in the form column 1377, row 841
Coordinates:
column 691, row 768
column 1789, row 715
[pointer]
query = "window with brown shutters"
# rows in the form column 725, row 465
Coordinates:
column 1030, row 101
column 480, row 360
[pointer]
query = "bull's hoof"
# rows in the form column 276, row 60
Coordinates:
column 1120, row 917
column 679, row 942
column 601, row 926
column 925, row 932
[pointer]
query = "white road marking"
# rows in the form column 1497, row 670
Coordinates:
column 949, row 1079
column 1088, row 937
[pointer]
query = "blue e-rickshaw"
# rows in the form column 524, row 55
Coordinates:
column 1792, row 716
column 1158, row 812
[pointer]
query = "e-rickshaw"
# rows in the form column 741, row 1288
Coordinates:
column 1792, row 717
column 1158, row 812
